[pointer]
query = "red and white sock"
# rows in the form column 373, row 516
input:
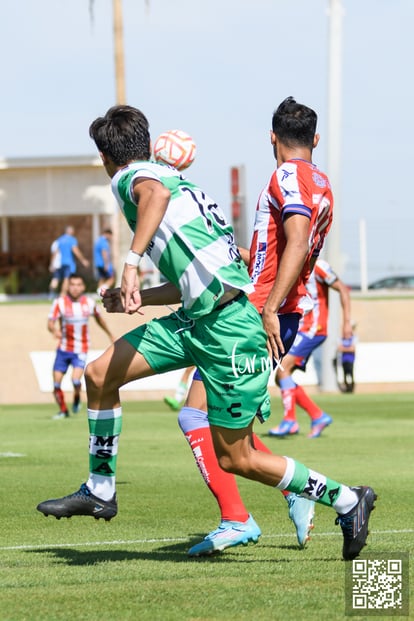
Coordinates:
column 223, row 486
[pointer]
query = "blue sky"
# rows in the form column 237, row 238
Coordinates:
column 218, row 69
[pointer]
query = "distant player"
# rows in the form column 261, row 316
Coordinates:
column 346, row 359
column 69, row 251
column 102, row 257
column 54, row 268
column 68, row 321
column 313, row 331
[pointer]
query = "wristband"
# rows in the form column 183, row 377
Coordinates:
column 133, row 258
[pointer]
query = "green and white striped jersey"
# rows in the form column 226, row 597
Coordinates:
column 194, row 245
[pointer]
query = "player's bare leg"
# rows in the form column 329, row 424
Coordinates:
column 118, row 365
column 353, row 504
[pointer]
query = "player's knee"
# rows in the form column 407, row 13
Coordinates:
column 97, row 380
column 192, row 418
column 226, row 463
column 234, row 464
column 91, row 377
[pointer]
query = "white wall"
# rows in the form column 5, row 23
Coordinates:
column 374, row 363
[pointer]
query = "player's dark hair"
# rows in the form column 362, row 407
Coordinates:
column 122, row 134
column 294, row 123
column 76, row 275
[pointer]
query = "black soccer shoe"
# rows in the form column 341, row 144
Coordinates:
column 82, row 502
column 354, row 524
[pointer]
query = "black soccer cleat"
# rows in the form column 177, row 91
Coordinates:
column 82, row 502
column 354, row 524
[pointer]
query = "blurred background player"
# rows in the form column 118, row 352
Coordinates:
column 102, row 258
column 54, row 268
column 69, row 251
column 68, row 321
column 312, row 333
column 346, row 359
column 181, row 390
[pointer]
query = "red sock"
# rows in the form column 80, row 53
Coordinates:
column 221, row 484
column 60, row 399
column 289, row 403
column 307, row 404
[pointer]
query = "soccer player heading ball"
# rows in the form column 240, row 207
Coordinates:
column 217, row 328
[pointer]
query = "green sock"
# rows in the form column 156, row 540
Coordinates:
column 313, row 485
column 104, row 429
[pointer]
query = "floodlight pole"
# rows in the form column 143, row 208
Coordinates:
column 119, row 51
column 333, row 242
column 122, row 234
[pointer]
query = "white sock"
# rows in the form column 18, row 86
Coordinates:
column 181, row 391
column 102, row 487
column 346, row 500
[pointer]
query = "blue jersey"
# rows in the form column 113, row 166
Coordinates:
column 66, row 243
column 101, row 245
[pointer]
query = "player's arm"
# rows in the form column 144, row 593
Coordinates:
column 102, row 324
column 296, row 229
column 164, row 294
column 345, row 299
column 152, row 200
column 52, row 260
column 245, row 254
column 346, row 348
column 53, row 325
column 78, row 254
column 153, row 296
column 105, row 258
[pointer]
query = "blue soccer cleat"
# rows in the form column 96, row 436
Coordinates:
column 286, row 428
column 227, row 535
column 301, row 512
column 319, row 424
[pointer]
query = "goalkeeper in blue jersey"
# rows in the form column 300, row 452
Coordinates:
column 216, row 328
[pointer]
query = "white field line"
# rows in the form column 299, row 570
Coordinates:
column 118, row 542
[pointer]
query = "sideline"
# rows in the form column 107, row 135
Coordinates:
column 120, row 542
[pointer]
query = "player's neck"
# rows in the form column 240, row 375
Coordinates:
column 285, row 154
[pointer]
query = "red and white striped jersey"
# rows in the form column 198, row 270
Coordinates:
column 296, row 187
column 74, row 322
column 315, row 323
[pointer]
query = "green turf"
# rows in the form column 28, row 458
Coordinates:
column 135, row 567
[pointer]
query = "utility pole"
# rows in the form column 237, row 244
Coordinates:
column 333, row 242
column 119, row 51
column 122, row 234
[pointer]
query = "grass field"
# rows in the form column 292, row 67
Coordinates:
column 135, row 567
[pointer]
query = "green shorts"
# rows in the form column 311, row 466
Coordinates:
column 228, row 346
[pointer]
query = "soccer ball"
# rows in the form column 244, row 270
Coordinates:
column 175, row 148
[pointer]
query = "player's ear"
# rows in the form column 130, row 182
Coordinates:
column 316, row 140
column 272, row 137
